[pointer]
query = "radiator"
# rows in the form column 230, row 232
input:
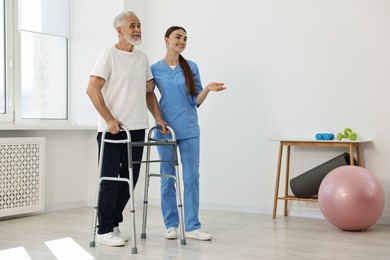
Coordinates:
column 22, row 163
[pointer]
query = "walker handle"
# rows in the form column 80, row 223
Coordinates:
column 159, row 127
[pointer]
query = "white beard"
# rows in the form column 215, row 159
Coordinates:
column 132, row 41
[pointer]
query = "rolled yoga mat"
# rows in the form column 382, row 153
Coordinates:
column 308, row 183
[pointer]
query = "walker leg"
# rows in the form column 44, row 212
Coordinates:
column 93, row 233
column 95, row 208
column 133, row 235
column 180, row 208
column 145, row 207
column 94, row 221
column 132, row 207
column 146, row 192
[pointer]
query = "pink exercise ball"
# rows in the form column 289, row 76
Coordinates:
column 351, row 198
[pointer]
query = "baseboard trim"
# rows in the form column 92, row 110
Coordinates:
column 295, row 212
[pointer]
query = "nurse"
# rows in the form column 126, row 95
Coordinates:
column 178, row 82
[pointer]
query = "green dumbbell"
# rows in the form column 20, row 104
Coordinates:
column 352, row 136
column 348, row 133
column 341, row 136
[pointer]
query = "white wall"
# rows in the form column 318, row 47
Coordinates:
column 91, row 32
column 292, row 68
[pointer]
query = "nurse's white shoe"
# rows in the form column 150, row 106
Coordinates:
column 171, row 233
column 199, row 235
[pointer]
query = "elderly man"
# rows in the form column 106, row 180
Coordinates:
column 119, row 88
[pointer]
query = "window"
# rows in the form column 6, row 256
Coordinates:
column 38, row 37
column 43, row 76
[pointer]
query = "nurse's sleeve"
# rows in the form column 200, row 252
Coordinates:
column 198, row 82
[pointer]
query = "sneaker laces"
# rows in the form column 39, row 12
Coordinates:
column 117, row 232
column 171, row 229
column 116, row 229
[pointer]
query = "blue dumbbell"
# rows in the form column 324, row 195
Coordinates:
column 324, row 136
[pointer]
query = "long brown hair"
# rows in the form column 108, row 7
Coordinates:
column 188, row 75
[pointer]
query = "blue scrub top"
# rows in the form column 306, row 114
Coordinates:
column 178, row 108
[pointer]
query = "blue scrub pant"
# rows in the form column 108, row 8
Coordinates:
column 189, row 154
column 114, row 195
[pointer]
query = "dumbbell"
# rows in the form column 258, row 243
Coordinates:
column 347, row 134
column 324, row 136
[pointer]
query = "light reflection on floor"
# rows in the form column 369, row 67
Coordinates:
column 63, row 248
column 14, row 253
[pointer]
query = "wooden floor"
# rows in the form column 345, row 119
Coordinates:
column 235, row 236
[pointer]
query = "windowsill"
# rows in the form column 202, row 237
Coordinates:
column 46, row 127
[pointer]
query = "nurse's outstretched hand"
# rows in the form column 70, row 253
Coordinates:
column 216, row 86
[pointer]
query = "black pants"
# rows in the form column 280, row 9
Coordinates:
column 114, row 195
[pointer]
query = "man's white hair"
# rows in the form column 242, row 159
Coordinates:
column 119, row 20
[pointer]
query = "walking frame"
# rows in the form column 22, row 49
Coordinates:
column 158, row 142
column 150, row 142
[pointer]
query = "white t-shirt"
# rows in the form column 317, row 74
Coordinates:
column 124, row 92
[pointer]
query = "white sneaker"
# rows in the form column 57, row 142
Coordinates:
column 109, row 239
column 171, row 233
column 199, row 235
column 118, row 233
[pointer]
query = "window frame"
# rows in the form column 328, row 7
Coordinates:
column 8, row 61
column 13, row 74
